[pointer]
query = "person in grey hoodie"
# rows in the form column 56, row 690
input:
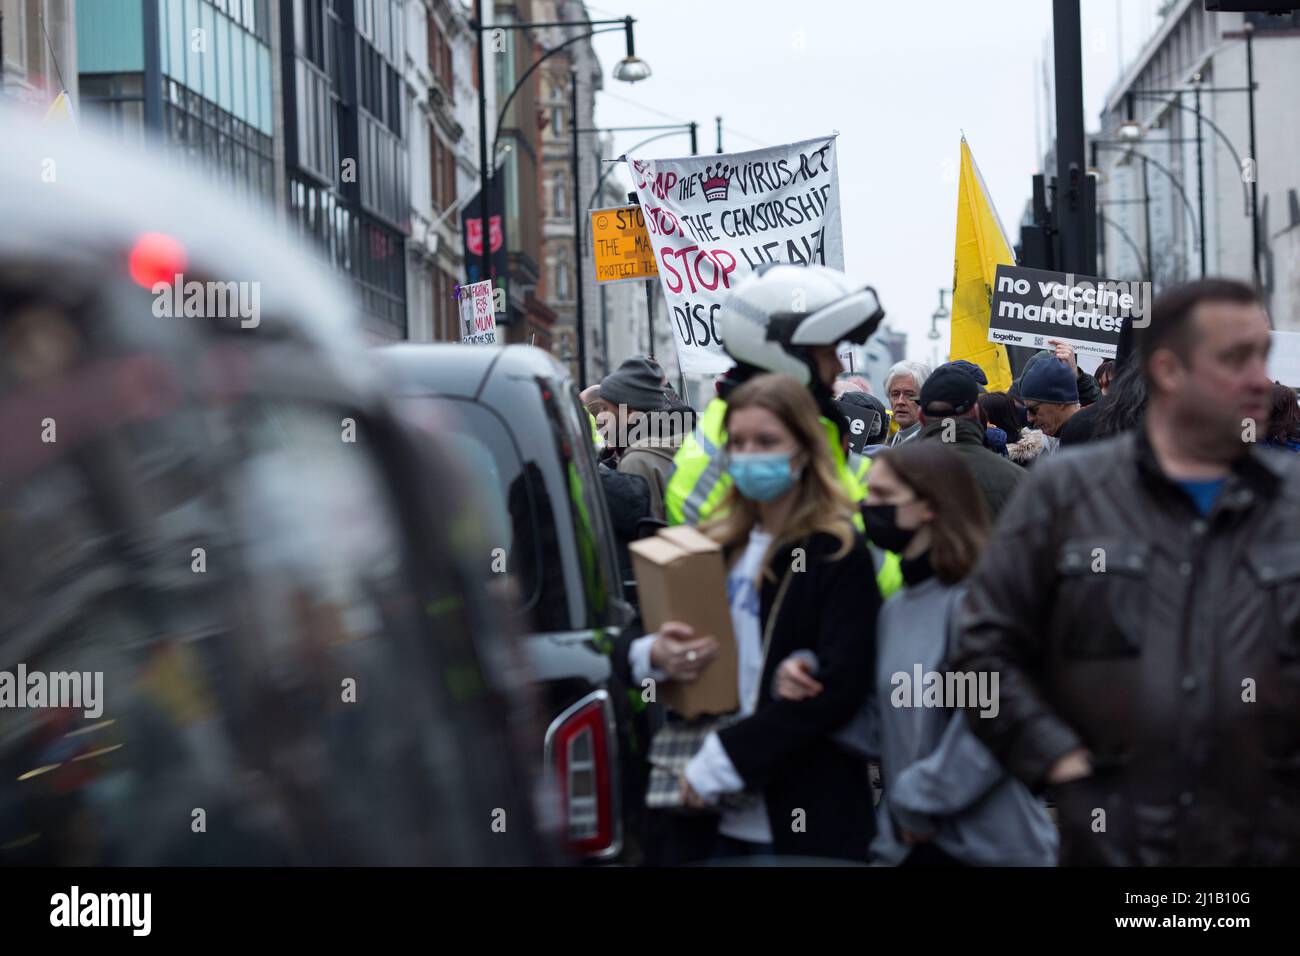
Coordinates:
column 947, row 800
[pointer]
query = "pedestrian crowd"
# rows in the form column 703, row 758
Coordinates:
column 1058, row 623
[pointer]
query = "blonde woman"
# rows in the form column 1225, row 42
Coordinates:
column 800, row 578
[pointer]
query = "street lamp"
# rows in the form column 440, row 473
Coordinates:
column 1129, row 150
column 1252, row 193
column 630, row 69
column 936, row 317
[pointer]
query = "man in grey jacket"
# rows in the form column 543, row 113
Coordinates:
column 1140, row 600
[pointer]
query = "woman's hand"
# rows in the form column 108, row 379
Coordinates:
column 679, row 653
column 690, row 797
column 794, row 680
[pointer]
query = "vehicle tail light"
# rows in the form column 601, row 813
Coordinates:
column 580, row 753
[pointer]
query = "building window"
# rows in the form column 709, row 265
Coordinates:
column 562, row 278
column 559, row 195
column 557, row 121
column 440, row 61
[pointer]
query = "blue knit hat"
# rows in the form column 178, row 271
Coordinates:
column 1049, row 380
column 971, row 369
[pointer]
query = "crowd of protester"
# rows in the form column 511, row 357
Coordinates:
column 1112, row 557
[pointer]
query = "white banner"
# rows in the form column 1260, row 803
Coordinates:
column 478, row 319
column 713, row 218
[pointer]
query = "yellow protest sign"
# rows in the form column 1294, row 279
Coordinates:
column 622, row 245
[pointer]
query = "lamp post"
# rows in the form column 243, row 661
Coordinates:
column 1254, row 156
column 938, row 315
column 1128, row 149
column 630, row 69
column 1252, row 193
column 578, row 243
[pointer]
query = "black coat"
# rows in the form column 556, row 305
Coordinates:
column 818, row 795
column 1143, row 658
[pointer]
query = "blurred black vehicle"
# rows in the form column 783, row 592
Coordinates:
column 524, row 439
column 223, row 517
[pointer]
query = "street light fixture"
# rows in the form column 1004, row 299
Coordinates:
column 1130, row 129
column 939, row 314
column 631, row 69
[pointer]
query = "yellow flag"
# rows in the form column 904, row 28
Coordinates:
column 60, row 111
column 981, row 247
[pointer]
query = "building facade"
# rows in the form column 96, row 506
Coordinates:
column 1152, row 112
column 510, row 53
column 346, row 163
column 435, row 54
column 192, row 75
column 561, row 269
column 30, row 71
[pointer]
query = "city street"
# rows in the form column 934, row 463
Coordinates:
column 523, row 435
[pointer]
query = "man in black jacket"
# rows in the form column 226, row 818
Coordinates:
column 1140, row 601
column 949, row 409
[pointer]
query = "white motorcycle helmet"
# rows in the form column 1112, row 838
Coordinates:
column 772, row 315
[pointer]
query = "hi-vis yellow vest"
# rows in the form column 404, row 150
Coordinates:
column 699, row 482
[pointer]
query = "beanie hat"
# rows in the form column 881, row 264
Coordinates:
column 1051, row 381
column 636, row 384
column 952, row 386
column 971, row 369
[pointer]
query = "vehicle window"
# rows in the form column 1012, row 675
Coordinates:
column 516, row 508
column 292, row 693
column 586, row 503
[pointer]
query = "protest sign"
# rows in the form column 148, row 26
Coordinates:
column 1031, row 306
column 713, row 219
column 862, row 422
column 478, row 318
column 1284, row 358
column 622, row 250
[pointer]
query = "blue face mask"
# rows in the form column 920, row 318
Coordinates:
column 762, row 476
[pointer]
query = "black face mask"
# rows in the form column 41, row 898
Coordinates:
column 881, row 524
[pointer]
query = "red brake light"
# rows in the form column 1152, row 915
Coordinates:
column 580, row 751
column 156, row 257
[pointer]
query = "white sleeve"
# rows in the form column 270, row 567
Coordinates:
column 711, row 772
column 638, row 659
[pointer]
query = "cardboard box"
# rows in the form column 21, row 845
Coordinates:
column 681, row 576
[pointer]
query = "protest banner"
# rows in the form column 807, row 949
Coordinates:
column 713, row 219
column 622, row 251
column 1031, row 306
column 477, row 314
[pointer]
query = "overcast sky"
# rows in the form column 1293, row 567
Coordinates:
column 900, row 81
